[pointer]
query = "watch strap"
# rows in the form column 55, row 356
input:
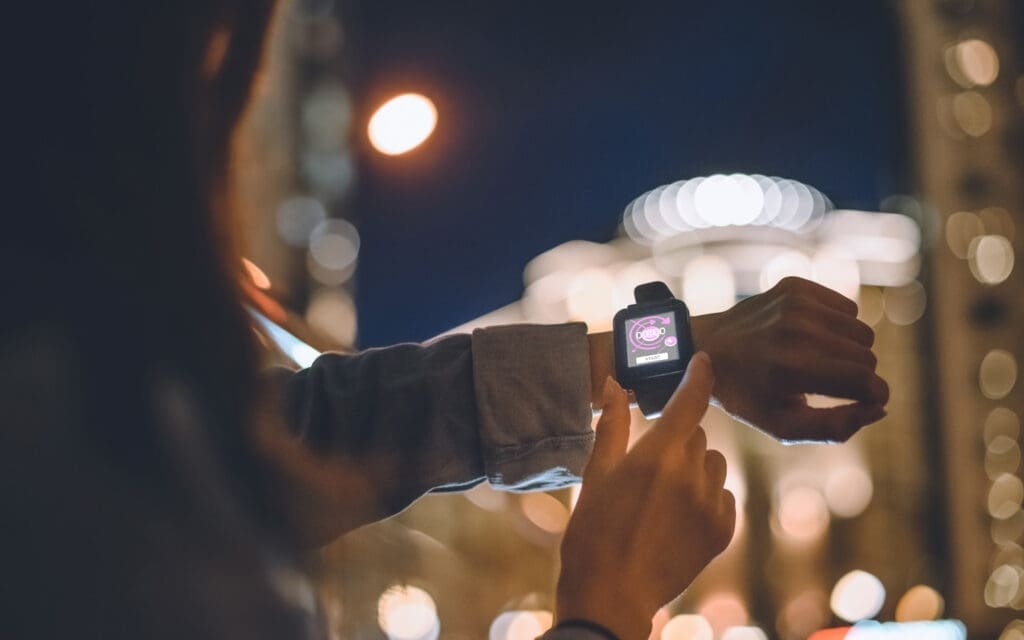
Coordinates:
column 653, row 394
column 652, row 292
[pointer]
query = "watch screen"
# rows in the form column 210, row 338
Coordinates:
column 651, row 339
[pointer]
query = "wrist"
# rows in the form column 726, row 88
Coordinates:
column 702, row 328
column 613, row 611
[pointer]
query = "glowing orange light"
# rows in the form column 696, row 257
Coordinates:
column 830, row 634
column 256, row 274
column 402, row 124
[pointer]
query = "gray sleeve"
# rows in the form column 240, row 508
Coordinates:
column 508, row 404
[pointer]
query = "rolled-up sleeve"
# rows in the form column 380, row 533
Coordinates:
column 507, row 404
column 532, row 387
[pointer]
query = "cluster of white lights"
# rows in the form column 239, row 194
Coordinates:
column 972, row 64
column 723, row 201
column 985, row 241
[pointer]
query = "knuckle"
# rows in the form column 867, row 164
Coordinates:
column 791, row 283
column 871, row 359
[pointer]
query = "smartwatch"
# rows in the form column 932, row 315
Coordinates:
column 653, row 346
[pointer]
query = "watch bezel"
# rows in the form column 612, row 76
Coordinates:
column 628, row 376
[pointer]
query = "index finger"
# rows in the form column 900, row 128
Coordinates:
column 689, row 403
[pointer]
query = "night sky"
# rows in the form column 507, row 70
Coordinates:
column 554, row 115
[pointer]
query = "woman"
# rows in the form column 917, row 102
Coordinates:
column 155, row 485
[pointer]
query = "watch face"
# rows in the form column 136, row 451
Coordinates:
column 652, row 339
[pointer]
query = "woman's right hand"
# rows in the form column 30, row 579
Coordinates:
column 649, row 521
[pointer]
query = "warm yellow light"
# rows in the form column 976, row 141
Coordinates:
column 724, row 610
column 920, row 603
column 848, row 491
column 402, row 124
column 408, row 613
column 545, row 512
column 803, row 515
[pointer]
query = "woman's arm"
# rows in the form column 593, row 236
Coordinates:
column 356, row 438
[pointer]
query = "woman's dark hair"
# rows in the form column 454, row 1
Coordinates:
column 118, row 240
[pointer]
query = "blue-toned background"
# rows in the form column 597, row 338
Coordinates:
column 554, row 115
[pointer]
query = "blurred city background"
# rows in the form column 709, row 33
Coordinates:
column 410, row 169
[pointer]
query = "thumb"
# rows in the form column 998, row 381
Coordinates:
column 612, row 431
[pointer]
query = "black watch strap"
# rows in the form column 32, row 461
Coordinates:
column 652, row 292
column 653, row 395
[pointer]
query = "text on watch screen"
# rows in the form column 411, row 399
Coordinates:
column 651, row 339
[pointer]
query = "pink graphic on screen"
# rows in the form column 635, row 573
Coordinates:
column 652, row 339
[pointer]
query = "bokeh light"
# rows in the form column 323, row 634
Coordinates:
column 1008, row 531
column 709, row 285
column 848, row 491
column 590, row 298
column 333, row 251
column 1001, row 422
column 332, row 312
column 297, row 217
column 803, row 614
column 962, row 228
column 857, row 596
column 744, row 633
column 545, row 512
column 905, row 305
column 728, row 200
column 997, row 374
column 997, row 221
column 991, row 259
column 788, row 263
column 402, row 124
column 972, row 113
column 520, row 625
column 972, row 63
column 1005, row 496
column 870, row 306
column 1002, row 455
column 330, row 174
column 486, row 497
column 1003, row 585
column 920, row 603
column 687, row 627
column 803, row 514
column 836, row 268
column 327, row 117
column 405, row 612
column 723, row 610
column 1013, row 631
column 1011, row 554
